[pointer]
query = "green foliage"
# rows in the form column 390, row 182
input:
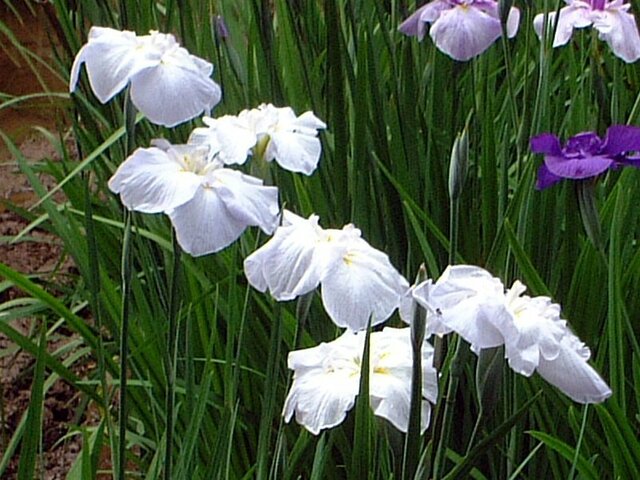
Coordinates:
column 394, row 108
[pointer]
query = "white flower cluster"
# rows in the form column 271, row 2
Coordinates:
column 210, row 206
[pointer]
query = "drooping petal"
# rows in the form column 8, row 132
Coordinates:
column 285, row 264
column 471, row 302
column 293, row 141
column 538, row 330
column 247, row 199
column 546, row 143
column 618, row 28
column 620, row 139
column 390, row 381
column 546, row 178
column 578, row 168
column 576, row 15
column 151, row 181
column 464, row 32
column 416, row 24
column 571, row 373
column 294, row 152
column 111, row 57
column 229, row 138
column 204, row 224
column 362, row 284
column 174, row 91
column 325, row 383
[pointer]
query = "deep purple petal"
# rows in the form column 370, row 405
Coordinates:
column 584, row 144
column 620, row 139
column 546, row 178
column 630, row 161
column 546, row 143
column 577, row 168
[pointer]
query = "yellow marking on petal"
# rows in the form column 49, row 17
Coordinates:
column 349, row 258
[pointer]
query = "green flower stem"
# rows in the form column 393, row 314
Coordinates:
column 412, row 439
column 130, row 125
column 124, row 345
column 171, row 355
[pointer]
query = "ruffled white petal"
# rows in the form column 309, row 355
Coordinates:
column 229, row 137
column 204, row 224
column 153, row 181
column 111, row 58
column 327, row 377
column 464, row 32
column 390, row 381
column 293, row 142
column 618, row 28
column 325, row 383
column 174, row 91
column 287, row 265
column 571, row 373
column 362, row 284
column 469, row 301
column 168, row 85
column 539, row 330
column 247, row 199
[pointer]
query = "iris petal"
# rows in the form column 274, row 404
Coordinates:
column 464, row 32
column 151, row 181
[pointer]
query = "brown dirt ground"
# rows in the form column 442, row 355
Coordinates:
column 43, row 256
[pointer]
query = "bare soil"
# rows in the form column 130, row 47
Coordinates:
column 42, row 254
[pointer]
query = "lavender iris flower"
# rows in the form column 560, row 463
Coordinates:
column 461, row 28
column 585, row 155
column 613, row 21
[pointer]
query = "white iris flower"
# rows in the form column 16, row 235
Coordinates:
column 327, row 378
column 357, row 281
column 168, row 85
column 269, row 133
column 469, row 301
column 209, row 206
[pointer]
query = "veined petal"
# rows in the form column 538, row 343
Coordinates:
column 247, row 199
column 229, row 138
column 470, row 301
column 285, row 264
column 538, row 330
column 111, row 57
column 416, row 24
column 362, row 284
column 390, row 380
column 293, row 140
column 465, row 31
column 152, row 181
column 618, row 28
column 620, row 139
column 204, row 224
column 325, row 383
column 294, row 151
column 571, row 373
column 174, row 91
column 546, row 178
column 576, row 15
column 577, row 168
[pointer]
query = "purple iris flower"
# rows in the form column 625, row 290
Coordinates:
column 461, row 28
column 585, row 155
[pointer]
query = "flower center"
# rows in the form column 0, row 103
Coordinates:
column 582, row 145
